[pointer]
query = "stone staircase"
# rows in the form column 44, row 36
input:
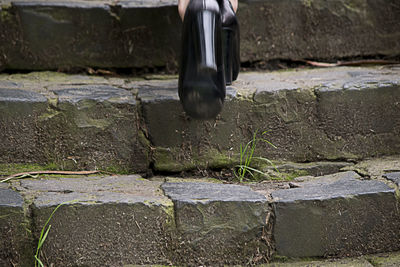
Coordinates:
column 336, row 132
column 56, row 34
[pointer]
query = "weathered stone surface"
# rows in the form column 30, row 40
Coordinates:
column 290, row 170
column 73, row 121
column 15, row 246
column 101, row 125
column 394, row 177
column 62, row 34
column 277, row 29
column 41, row 34
column 373, row 103
column 19, row 112
column 375, row 168
column 292, row 107
column 113, row 220
column 16, row 95
column 336, row 215
column 130, row 125
column 219, row 224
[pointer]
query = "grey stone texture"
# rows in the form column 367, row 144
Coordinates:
column 336, row 215
column 219, row 224
column 290, row 170
column 55, row 34
column 394, row 177
column 131, row 221
column 111, row 221
column 377, row 167
column 15, row 240
column 300, row 110
column 73, row 121
column 87, row 122
column 19, row 111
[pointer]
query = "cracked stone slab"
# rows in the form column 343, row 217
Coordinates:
column 112, row 221
column 289, row 170
column 216, row 221
column 190, row 192
column 394, row 177
column 99, row 93
column 336, row 215
column 14, row 236
column 376, row 167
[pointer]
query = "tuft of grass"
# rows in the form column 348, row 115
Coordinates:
column 44, row 233
column 247, row 156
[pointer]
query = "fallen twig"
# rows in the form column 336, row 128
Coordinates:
column 100, row 72
column 351, row 63
column 22, row 174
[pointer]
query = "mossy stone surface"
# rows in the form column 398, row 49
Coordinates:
column 219, row 224
column 112, row 220
column 300, row 111
column 70, row 121
column 16, row 246
column 85, row 122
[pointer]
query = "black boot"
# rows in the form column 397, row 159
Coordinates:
column 201, row 74
column 231, row 41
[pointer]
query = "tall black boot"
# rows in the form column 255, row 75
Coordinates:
column 201, row 73
column 230, row 40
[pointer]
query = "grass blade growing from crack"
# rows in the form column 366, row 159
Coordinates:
column 45, row 232
column 247, row 156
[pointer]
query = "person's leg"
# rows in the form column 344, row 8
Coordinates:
column 234, row 5
column 182, row 5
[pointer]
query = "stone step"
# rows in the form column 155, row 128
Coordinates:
column 128, row 125
column 121, row 220
column 53, row 34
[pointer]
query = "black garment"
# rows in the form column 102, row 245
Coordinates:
column 202, row 71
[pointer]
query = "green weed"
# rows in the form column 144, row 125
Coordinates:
column 43, row 234
column 247, row 156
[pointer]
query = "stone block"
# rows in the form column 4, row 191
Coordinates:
column 219, row 224
column 70, row 34
column 39, row 34
column 301, row 112
column 336, row 215
column 71, row 121
column 362, row 112
column 112, row 221
column 309, row 115
column 317, row 29
column 20, row 111
column 15, row 241
column 394, row 177
column 100, row 128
